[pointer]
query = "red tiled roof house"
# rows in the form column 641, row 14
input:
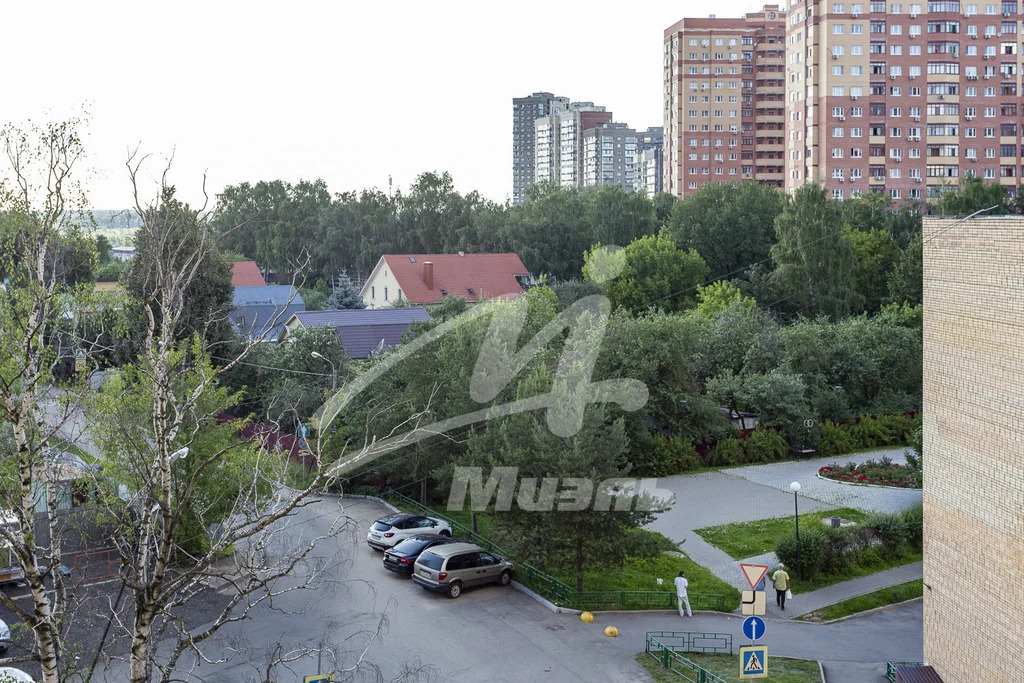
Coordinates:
column 246, row 274
column 426, row 279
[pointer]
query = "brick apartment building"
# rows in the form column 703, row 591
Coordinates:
column 974, row 447
column 725, row 85
column 902, row 98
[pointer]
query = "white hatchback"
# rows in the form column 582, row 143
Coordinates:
column 387, row 531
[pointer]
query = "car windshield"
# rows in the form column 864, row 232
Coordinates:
column 381, row 526
column 431, row 561
column 411, row 546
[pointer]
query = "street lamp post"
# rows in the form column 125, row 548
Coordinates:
column 795, row 488
column 334, row 373
column 839, row 404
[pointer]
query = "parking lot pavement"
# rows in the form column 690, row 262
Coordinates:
column 490, row 633
column 833, row 494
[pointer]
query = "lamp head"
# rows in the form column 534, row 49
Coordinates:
column 794, row 487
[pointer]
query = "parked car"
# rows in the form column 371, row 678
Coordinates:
column 452, row 567
column 5, row 636
column 402, row 556
column 387, row 531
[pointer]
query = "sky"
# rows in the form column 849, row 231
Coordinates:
column 351, row 92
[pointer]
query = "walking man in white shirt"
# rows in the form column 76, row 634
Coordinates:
column 681, row 584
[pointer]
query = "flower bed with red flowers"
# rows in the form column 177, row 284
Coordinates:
column 874, row 473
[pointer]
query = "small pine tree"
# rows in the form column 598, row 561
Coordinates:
column 345, row 294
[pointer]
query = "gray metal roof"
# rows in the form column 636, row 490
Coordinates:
column 350, row 317
column 273, row 295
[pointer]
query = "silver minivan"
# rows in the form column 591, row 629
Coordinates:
column 452, row 567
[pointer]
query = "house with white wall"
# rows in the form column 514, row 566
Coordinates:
column 426, row 279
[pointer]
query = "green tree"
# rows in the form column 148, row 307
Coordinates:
column 973, row 194
column 103, row 249
column 877, row 255
column 174, row 236
column 345, row 294
column 315, row 297
column 655, row 273
column 906, row 279
column 615, row 216
column 815, row 262
column 730, row 225
column 572, row 539
column 715, row 298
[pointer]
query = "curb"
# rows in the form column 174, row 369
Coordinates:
column 373, row 498
column 871, row 486
column 544, row 601
column 873, row 610
column 821, row 670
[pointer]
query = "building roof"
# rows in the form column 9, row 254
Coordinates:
column 361, row 341
column 246, row 274
column 465, row 275
column 353, row 317
column 256, row 308
column 267, row 295
column 361, row 332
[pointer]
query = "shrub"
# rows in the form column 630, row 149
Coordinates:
column 835, row 440
column 667, row 457
column 814, row 548
column 913, row 519
column 891, row 530
column 765, row 445
column 725, row 452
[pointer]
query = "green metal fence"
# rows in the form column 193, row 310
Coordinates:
column 672, row 660
column 557, row 591
column 692, row 641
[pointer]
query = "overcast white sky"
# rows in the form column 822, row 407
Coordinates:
column 348, row 91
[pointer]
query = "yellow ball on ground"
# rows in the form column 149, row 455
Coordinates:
column 611, row 631
column 587, row 617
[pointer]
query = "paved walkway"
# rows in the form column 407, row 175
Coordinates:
column 744, row 494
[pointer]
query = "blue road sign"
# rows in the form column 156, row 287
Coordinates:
column 753, row 662
column 304, row 431
column 753, row 628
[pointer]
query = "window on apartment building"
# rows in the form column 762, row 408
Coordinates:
column 856, row 153
column 857, row 29
column 856, row 173
column 838, row 29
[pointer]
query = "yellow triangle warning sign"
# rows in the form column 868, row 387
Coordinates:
column 753, row 665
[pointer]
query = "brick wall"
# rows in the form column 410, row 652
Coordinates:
column 974, row 448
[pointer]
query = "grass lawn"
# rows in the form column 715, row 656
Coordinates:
column 780, row 669
column 886, row 596
column 641, row 574
column 747, row 539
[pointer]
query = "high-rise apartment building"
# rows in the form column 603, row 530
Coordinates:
column 526, row 110
column 649, row 155
column 901, row 98
column 609, row 155
column 577, row 118
column 724, row 97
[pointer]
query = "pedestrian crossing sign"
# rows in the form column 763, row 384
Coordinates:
column 753, row 661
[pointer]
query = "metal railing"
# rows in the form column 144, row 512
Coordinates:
column 559, row 592
column 692, row 641
column 675, row 662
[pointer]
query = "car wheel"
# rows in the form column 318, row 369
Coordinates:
column 455, row 589
column 505, row 578
column 445, row 533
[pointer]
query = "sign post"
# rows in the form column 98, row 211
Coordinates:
column 753, row 661
column 754, row 658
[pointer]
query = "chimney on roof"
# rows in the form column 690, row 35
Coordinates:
column 428, row 274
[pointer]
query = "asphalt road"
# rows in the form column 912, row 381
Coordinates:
column 493, row 633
